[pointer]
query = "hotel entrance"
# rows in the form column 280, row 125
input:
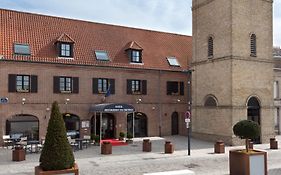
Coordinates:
column 108, row 125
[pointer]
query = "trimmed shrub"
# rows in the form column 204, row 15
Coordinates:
column 57, row 153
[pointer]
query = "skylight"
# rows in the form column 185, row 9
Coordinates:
column 101, row 55
column 173, row 61
column 21, row 49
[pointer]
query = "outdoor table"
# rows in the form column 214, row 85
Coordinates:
column 33, row 146
column 80, row 143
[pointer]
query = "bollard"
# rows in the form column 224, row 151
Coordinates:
column 169, row 147
column 219, row 147
column 273, row 143
column 106, row 148
column 146, row 145
column 18, row 153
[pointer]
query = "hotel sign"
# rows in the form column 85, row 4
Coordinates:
column 118, row 108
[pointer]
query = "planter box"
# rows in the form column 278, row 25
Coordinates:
column 18, row 154
column 252, row 163
column 106, row 148
column 169, row 147
column 273, row 143
column 219, row 147
column 146, row 145
column 71, row 171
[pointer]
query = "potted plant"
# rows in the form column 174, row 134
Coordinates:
column 96, row 138
column 121, row 136
column 247, row 161
column 57, row 156
column 129, row 138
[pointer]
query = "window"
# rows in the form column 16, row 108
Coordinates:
column 175, row 88
column 64, row 84
column 101, row 55
column 253, row 45
column 210, row 47
column 21, row 49
column 136, row 87
column 276, row 89
column 103, row 85
column 136, row 56
column 173, row 61
column 22, row 83
column 66, row 50
column 210, row 101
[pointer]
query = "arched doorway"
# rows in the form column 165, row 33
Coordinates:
column 23, row 125
column 175, row 123
column 72, row 125
column 140, row 124
column 253, row 113
column 108, row 125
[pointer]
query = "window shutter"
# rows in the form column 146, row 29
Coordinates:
column 12, row 83
column 143, row 84
column 75, row 85
column 169, row 90
column 112, row 86
column 129, row 86
column 56, row 84
column 181, row 88
column 95, row 86
column 34, row 84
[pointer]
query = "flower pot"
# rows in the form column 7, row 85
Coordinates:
column 70, row 171
column 106, row 148
column 273, row 143
column 247, row 163
column 169, row 147
column 146, row 145
column 18, row 154
column 219, row 147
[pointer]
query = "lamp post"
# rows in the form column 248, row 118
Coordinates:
column 189, row 103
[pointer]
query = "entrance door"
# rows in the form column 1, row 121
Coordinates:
column 175, row 123
column 254, row 114
column 72, row 125
column 108, row 125
column 140, row 124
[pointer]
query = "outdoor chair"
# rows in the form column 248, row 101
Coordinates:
column 86, row 141
column 7, row 141
column 73, row 143
column 23, row 142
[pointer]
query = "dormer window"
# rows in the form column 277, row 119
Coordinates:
column 173, row 61
column 66, row 50
column 101, row 55
column 136, row 56
column 21, row 49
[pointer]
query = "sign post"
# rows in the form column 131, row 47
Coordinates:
column 187, row 121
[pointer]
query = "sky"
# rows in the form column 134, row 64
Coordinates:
column 172, row 16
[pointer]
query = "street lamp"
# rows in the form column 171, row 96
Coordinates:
column 189, row 103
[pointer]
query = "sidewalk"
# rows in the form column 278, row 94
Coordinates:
column 131, row 160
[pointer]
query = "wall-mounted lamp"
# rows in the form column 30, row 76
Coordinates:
column 67, row 100
column 139, row 100
column 178, row 100
column 23, row 101
column 47, row 110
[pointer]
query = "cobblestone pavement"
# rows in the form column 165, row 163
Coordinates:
column 130, row 160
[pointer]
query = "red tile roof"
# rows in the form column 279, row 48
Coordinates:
column 41, row 33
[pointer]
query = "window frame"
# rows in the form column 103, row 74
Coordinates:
column 70, row 50
column 103, row 85
column 180, row 88
column 66, row 89
column 136, row 84
column 22, row 85
column 136, row 58
column 22, row 44
column 104, row 52
column 177, row 64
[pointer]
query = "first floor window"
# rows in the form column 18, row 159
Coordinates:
column 23, row 83
column 175, row 88
column 103, row 85
column 136, row 87
column 65, row 83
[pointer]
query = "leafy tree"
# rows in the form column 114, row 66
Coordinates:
column 57, row 153
column 247, row 129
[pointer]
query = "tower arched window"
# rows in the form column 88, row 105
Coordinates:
column 253, row 45
column 211, row 101
column 210, row 47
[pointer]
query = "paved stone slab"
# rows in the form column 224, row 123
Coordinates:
column 179, row 172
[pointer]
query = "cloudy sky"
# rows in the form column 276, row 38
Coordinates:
column 161, row 15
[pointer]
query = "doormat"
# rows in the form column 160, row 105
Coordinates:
column 115, row 142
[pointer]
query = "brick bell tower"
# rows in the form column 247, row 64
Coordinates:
column 233, row 67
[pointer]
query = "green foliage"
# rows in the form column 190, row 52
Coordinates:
column 122, row 134
column 129, row 135
column 57, row 153
column 96, row 138
column 247, row 129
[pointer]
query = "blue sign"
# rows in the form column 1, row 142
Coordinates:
column 4, row 100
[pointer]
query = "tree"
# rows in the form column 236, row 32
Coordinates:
column 57, row 153
column 247, row 129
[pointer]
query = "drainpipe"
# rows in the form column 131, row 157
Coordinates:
column 160, row 103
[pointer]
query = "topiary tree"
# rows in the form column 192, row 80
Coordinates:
column 247, row 129
column 57, row 153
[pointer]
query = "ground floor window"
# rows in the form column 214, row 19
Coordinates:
column 23, row 126
column 140, row 128
column 72, row 125
column 108, row 125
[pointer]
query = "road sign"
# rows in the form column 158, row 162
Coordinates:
column 187, row 120
column 4, row 100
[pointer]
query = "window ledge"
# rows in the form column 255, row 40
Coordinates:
column 65, row 92
column 23, row 91
column 66, row 58
column 136, row 63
